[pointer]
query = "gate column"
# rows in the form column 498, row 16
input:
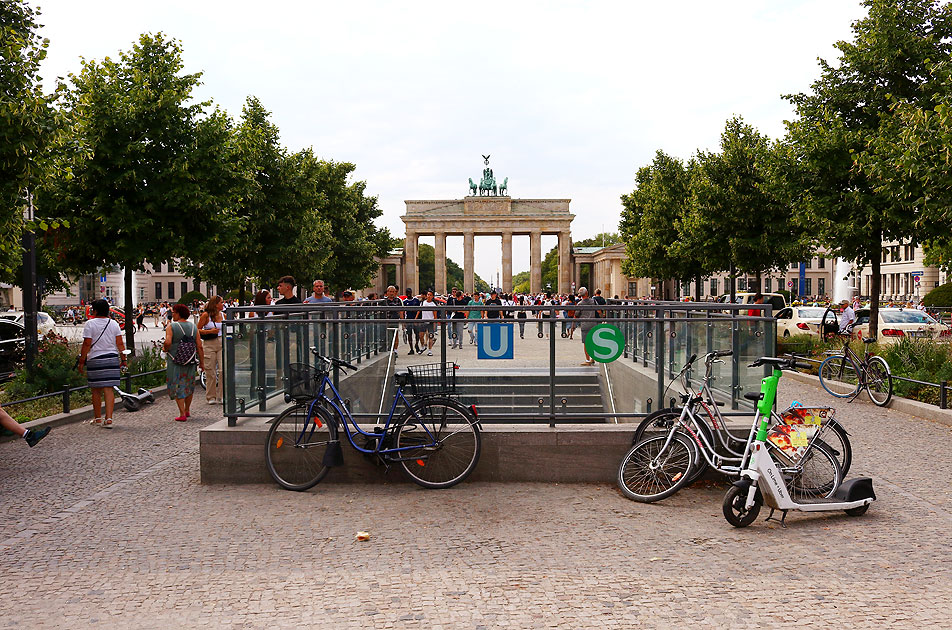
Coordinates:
column 507, row 262
column 439, row 268
column 469, row 283
column 535, row 261
column 565, row 256
column 411, row 273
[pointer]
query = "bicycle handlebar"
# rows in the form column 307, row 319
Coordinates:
column 333, row 361
column 781, row 363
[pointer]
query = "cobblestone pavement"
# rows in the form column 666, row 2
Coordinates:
column 111, row 529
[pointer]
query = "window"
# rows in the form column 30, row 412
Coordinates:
column 713, row 286
column 821, row 263
column 885, row 254
column 141, row 297
column 908, row 252
column 768, row 283
column 633, row 289
column 171, row 290
column 158, row 291
column 785, row 313
column 808, row 289
column 810, row 263
column 894, row 254
column 742, row 284
column 821, row 285
column 184, row 288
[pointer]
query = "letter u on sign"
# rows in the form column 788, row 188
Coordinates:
column 494, row 341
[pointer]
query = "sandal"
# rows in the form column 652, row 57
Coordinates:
column 180, row 419
column 107, row 423
column 96, row 422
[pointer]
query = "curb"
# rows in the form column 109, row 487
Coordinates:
column 76, row 415
column 912, row 407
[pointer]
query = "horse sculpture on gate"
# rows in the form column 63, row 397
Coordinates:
column 472, row 187
column 504, row 188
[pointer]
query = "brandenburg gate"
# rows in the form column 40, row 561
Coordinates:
column 487, row 211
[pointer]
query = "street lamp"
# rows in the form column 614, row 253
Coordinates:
column 29, row 284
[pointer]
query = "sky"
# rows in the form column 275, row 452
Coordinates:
column 569, row 98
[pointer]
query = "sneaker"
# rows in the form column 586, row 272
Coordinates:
column 429, row 353
column 212, row 401
column 33, row 436
column 411, row 352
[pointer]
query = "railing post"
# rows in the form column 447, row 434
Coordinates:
column 943, row 395
column 228, row 374
column 66, row 399
column 660, row 367
column 552, row 327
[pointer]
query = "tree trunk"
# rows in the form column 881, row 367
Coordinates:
column 130, row 316
column 732, row 281
column 241, row 294
column 874, row 289
column 759, row 282
column 697, row 288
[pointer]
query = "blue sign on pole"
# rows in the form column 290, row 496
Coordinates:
column 494, row 341
column 802, row 287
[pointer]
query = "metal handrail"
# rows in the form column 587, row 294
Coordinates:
column 69, row 390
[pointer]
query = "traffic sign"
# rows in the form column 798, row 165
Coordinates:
column 605, row 343
column 915, row 273
column 917, row 278
column 494, row 341
column 789, row 283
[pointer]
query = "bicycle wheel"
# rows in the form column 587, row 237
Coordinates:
column 650, row 472
column 839, row 376
column 660, row 420
column 878, row 381
column 445, row 441
column 834, row 437
column 818, row 475
column 297, row 445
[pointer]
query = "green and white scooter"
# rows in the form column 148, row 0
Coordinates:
column 762, row 482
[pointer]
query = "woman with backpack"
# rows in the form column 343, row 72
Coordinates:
column 184, row 348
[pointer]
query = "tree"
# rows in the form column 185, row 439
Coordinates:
column 650, row 223
column 739, row 189
column 28, row 121
column 454, row 273
column 127, row 176
column 847, row 112
column 603, row 239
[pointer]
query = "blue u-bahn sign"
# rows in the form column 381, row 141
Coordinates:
column 494, row 341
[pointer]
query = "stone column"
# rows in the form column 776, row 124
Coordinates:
column 507, row 262
column 535, row 261
column 411, row 273
column 439, row 277
column 565, row 258
column 469, row 283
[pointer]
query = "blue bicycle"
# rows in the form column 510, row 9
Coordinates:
column 436, row 440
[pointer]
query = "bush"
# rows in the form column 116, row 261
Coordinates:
column 922, row 360
column 150, row 360
column 939, row 296
column 191, row 296
column 54, row 369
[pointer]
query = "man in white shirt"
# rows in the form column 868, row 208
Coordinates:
column 428, row 330
column 847, row 318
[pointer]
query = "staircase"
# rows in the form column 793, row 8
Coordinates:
column 512, row 391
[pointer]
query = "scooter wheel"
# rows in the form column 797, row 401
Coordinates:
column 564, row 335
column 734, row 510
column 131, row 404
column 540, row 335
column 857, row 511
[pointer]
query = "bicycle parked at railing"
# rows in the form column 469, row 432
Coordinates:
column 844, row 374
column 656, row 467
column 436, row 440
column 713, row 424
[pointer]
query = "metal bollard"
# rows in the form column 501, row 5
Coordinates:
column 943, row 395
column 66, row 400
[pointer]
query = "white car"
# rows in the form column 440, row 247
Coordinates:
column 799, row 320
column 897, row 323
column 44, row 323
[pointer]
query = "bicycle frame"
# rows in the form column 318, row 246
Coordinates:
column 337, row 403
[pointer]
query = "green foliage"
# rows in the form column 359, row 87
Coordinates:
column 28, row 122
column 189, row 297
column 939, row 296
column 426, row 259
column 55, row 368
column 846, row 122
column 921, row 360
column 521, row 281
column 603, row 239
column 550, row 270
column 150, row 360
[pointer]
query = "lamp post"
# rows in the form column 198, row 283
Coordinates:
column 29, row 284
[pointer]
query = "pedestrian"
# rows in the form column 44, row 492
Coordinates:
column 411, row 326
column 474, row 315
column 456, row 317
column 32, row 436
column 494, row 313
column 588, row 318
column 522, row 316
column 395, row 302
column 847, row 318
column 180, row 378
column 101, row 358
column 428, row 319
column 209, row 326
column 139, row 317
column 286, row 290
column 318, row 296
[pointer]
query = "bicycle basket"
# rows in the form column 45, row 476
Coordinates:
column 432, row 379
column 303, row 381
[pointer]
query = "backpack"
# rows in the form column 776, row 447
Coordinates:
column 187, row 351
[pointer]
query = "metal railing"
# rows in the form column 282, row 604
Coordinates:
column 65, row 392
column 260, row 342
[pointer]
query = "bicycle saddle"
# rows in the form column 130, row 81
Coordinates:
column 869, row 340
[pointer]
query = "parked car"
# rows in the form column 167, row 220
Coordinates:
column 799, row 320
column 12, row 348
column 776, row 300
column 44, row 323
column 896, row 323
column 114, row 313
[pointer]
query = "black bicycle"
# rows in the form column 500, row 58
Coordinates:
column 436, row 440
column 844, row 374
